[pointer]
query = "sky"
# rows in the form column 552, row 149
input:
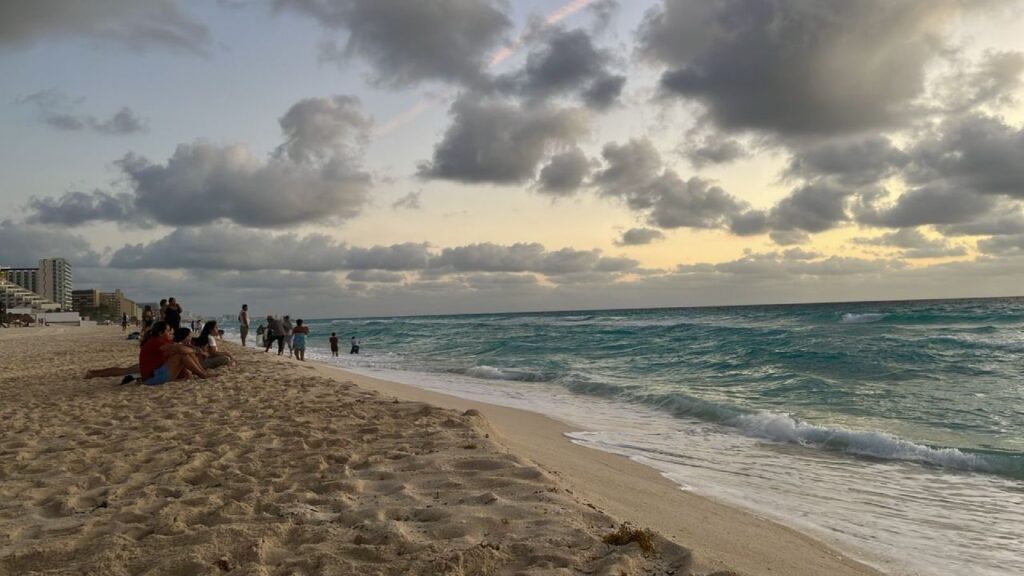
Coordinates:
column 331, row 158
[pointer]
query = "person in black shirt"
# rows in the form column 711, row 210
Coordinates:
column 172, row 315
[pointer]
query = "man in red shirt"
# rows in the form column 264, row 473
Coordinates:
column 161, row 360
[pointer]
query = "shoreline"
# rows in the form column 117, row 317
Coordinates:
column 725, row 537
column 277, row 465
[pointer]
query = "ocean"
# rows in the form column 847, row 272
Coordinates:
column 893, row 430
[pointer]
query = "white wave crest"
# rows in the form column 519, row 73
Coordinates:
column 783, row 428
column 492, row 373
column 850, row 318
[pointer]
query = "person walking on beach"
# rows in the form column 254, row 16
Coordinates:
column 124, row 322
column 299, row 334
column 288, row 334
column 334, row 344
column 276, row 333
column 243, row 323
column 355, row 346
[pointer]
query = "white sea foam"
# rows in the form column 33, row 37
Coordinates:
column 783, row 428
column 850, row 318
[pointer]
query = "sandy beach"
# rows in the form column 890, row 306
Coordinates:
column 281, row 468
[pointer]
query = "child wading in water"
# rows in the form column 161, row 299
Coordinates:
column 334, row 343
column 299, row 334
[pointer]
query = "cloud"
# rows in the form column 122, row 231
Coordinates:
column 813, row 208
column 975, row 153
column 566, row 62
column 406, row 43
column 202, row 183
column 521, row 257
column 713, row 150
column 314, row 176
column 639, row 237
column 564, row 173
column 24, row 245
column 375, row 276
column 634, row 173
column 992, row 81
column 231, row 248
column 138, row 25
column 794, row 67
column 79, row 208
column 320, row 129
column 924, row 206
column 854, row 161
column 57, row 110
column 914, row 244
column 499, row 143
column 410, row 201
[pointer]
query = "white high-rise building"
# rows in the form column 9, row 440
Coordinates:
column 56, row 281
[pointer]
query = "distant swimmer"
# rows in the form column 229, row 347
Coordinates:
column 355, row 346
column 334, row 344
column 243, row 323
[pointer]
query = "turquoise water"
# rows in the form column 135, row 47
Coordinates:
column 922, row 401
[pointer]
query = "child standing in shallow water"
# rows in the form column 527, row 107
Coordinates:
column 334, row 343
column 299, row 334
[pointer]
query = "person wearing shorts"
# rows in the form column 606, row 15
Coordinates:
column 243, row 323
column 161, row 360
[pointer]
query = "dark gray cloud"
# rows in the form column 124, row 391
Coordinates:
column 634, row 173
column 813, row 208
column 565, row 63
column 134, row 24
column 321, row 129
column 314, row 176
column 994, row 80
column 24, row 245
column 488, row 257
column 714, row 149
column 1001, row 221
column 410, row 201
column 499, row 143
column 975, row 153
column 202, row 183
column 79, row 208
column 923, row 206
column 564, row 173
column 59, row 111
column 914, row 244
column 375, row 276
column 230, row 248
column 797, row 67
column 639, row 237
column 603, row 12
column 406, row 43
column 856, row 161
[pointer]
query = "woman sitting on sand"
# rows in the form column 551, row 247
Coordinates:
column 299, row 334
column 162, row 361
column 207, row 341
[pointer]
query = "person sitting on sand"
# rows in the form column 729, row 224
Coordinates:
column 162, row 361
column 207, row 341
column 334, row 344
column 299, row 334
column 184, row 336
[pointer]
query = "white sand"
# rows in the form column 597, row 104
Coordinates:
column 282, row 468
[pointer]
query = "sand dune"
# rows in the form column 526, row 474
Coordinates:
column 270, row 468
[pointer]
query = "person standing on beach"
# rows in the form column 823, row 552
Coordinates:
column 147, row 318
column 124, row 322
column 288, row 334
column 261, row 333
column 275, row 332
column 299, row 334
column 163, row 308
column 355, row 346
column 243, row 323
column 334, row 344
column 172, row 314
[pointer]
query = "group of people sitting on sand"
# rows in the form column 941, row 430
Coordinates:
column 171, row 352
